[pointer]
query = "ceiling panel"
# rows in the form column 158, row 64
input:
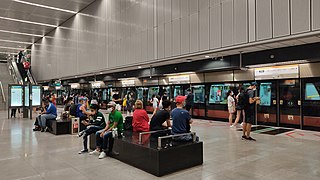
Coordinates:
column 27, row 12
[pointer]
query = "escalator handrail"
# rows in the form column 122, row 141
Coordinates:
column 2, row 92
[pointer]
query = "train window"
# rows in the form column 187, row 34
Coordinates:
column 312, row 91
column 153, row 91
column 218, row 93
column 265, row 94
column 177, row 91
column 198, row 93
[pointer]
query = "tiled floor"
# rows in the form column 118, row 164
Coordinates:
column 33, row 155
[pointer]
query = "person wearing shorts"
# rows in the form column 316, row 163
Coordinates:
column 249, row 112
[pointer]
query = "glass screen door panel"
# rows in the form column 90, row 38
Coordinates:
column 267, row 109
column 289, row 103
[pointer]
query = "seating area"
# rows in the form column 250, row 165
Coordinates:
column 147, row 153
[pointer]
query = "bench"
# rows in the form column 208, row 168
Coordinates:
column 157, row 159
column 59, row 127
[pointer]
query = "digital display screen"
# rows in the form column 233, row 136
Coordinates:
column 16, row 95
column 198, row 93
column 36, row 96
column 265, row 94
column 153, row 91
column 312, row 91
column 104, row 95
column 218, row 93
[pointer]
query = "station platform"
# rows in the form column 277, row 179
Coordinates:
column 282, row 154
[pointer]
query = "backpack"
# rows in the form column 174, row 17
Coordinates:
column 128, row 123
column 243, row 100
column 73, row 109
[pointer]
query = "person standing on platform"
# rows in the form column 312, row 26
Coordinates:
column 240, row 106
column 155, row 103
column 251, row 101
column 231, row 106
column 189, row 100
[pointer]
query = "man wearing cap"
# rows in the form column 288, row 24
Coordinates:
column 97, row 123
column 104, row 139
column 181, row 119
column 249, row 111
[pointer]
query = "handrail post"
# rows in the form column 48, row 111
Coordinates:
column 2, row 92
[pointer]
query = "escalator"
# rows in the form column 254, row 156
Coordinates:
column 21, row 75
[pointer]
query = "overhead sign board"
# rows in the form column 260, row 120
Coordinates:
column 277, row 72
column 129, row 82
column 179, row 79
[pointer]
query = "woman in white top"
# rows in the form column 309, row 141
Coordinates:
column 231, row 106
column 155, row 103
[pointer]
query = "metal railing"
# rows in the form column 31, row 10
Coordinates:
column 2, row 92
column 150, row 132
column 14, row 71
column 194, row 137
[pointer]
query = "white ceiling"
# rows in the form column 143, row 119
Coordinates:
column 26, row 12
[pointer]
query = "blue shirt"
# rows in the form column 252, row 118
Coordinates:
column 51, row 109
column 180, row 121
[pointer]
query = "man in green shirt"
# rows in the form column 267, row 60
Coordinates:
column 104, row 139
column 96, row 124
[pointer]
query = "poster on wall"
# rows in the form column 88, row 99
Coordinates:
column 16, row 96
column 265, row 94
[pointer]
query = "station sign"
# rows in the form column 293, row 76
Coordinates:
column 97, row 84
column 277, row 72
column 128, row 82
column 179, row 79
column 75, row 86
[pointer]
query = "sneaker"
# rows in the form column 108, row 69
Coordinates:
column 251, row 139
column 36, row 129
column 95, row 152
column 80, row 133
column 83, row 151
column 102, row 155
column 42, row 129
column 241, row 124
column 244, row 137
column 232, row 126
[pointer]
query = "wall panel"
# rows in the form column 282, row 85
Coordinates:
column 240, row 31
column 315, row 14
column 185, row 35
column 281, row 20
column 175, row 9
column 160, row 41
column 263, row 19
column 227, row 23
column 176, row 37
column 300, row 16
column 194, row 32
column 204, row 29
column 168, row 39
column 215, row 24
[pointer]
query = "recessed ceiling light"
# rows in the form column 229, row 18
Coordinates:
column 207, row 56
column 28, row 22
column 20, row 33
column 139, row 67
column 3, row 47
column 18, row 42
column 100, row 73
column 189, row 60
column 44, row 6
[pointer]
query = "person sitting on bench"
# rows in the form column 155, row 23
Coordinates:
column 159, row 118
column 140, row 120
column 49, row 113
column 97, row 123
column 104, row 139
column 181, row 120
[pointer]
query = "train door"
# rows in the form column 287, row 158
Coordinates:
column 267, row 109
column 311, row 104
column 289, row 103
column 199, row 106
